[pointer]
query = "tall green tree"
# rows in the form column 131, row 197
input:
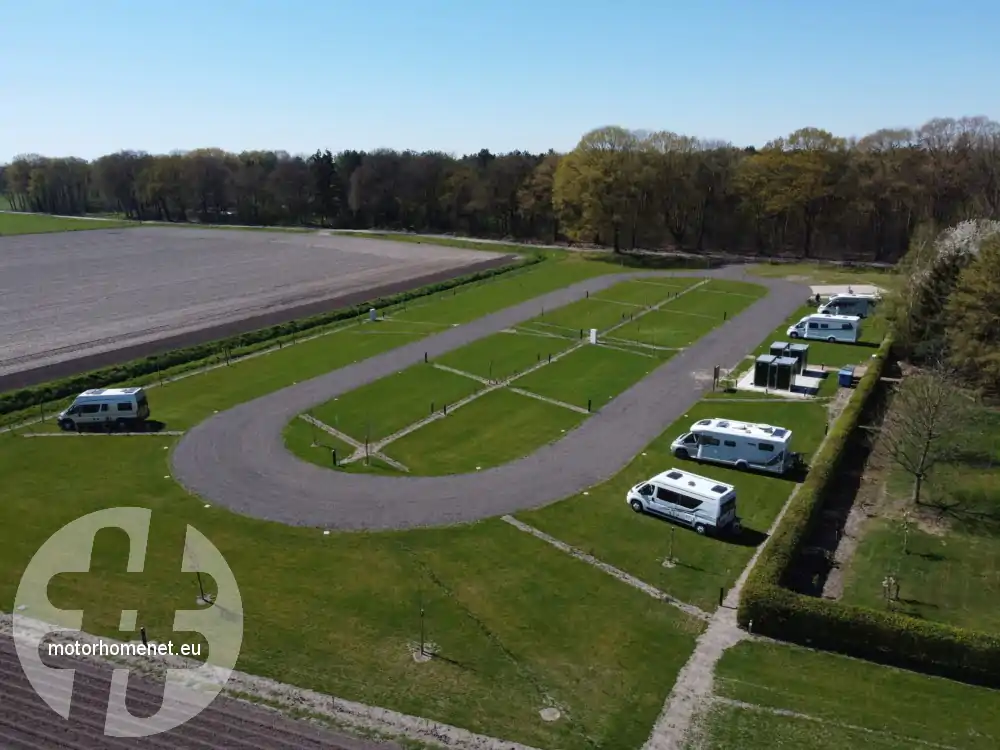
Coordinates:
column 973, row 315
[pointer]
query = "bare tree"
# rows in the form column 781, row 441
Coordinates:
column 929, row 422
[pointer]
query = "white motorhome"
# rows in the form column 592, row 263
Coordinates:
column 745, row 445
column 833, row 328
column 707, row 506
column 110, row 407
column 849, row 304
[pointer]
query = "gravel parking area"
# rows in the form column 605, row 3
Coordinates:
column 69, row 295
column 237, row 459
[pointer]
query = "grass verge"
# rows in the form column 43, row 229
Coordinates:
column 26, row 223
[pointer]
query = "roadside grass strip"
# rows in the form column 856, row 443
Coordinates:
column 609, row 569
column 785, row 684
column 877, row 734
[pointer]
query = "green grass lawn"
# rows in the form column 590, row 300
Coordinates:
column 464, row 304
column 348, row 632
column 949, row 568
column 492, row 430
column 501, row 355
column 643, row 293
column 386, row 406
column 586, row 314
column 905, row 708
column 591, row 374
column 601, row 524
column 731, row 727
column 336, row 613
column 23, row 223
column 684, row 320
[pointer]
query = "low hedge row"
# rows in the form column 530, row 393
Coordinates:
column 768, row 608
column 27, row 398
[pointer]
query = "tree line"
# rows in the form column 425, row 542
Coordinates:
column 810, row 194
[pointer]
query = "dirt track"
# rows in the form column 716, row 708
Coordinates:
column 237, row 458
column 73, row 295
column 27, row 722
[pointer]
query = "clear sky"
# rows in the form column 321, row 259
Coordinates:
column 88, row 78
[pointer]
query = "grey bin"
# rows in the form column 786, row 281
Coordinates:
column 764, row 371
column 784, row 368
column 801, row 353
column 779, row 349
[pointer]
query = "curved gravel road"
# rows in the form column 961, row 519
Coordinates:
column 237, row 459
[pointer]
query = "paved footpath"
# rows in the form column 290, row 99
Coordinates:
column 237, row 459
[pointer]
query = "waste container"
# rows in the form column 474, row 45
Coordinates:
column 763, row 371
column 784, row 373
column 801, row 353
column 845, row 378
column 778, row 349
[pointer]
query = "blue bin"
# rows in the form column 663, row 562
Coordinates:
column 845, row 378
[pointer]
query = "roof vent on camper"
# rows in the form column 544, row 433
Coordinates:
column 724, row 423
column 720, row 488
column 690, row 483
column 705, row 421
column 674, row 475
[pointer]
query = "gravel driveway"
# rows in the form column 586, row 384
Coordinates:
column 237, row 458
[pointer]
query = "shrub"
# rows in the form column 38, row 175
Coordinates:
column 196, row 356
column 768, row 608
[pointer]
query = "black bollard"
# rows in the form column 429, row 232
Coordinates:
column 333, row 456
column 588, row 404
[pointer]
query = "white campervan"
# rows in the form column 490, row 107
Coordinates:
column 833, row 328
column 745, row 445
column 705, row 505
column 849, row 304
column 111, row 407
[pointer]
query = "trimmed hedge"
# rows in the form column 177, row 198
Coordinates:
column 28, row 398
column 885, row 637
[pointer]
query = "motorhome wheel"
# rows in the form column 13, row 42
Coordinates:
column 794, row 334
column 66, row 425
column 681, row 453
column 636, row 506
column 832, row 340
column 742, row 465
column 700, row 528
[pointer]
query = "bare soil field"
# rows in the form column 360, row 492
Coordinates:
column 77, row 295
column 26, row 721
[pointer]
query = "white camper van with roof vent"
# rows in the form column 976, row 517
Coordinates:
column 707, row 506
column 121, row 408
column 832, row 328
column 849, row 304
column 745, row 445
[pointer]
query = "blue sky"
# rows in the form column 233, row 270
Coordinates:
column 91, row 78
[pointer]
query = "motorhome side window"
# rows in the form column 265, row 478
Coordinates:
column 646, row 490
column 666, row 495
column 686, row 502
column 814, row 325
column 765, row 447
column 708, row 440
column 124, row 406
column 90, row 408
column 729, row 443
column 847, row 326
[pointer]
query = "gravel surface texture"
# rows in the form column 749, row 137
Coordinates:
column 237, row 458
column 67, row 295
column 27, row 722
